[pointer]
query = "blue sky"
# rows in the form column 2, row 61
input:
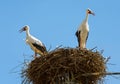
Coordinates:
column 55, row 22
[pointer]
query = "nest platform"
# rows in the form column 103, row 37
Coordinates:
column 65, row 66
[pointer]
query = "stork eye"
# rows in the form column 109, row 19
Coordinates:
column 24, row 28
column 89, row 11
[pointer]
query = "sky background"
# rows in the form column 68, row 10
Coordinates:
column 55, row 22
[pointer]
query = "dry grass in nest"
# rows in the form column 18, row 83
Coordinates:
column 65, row 66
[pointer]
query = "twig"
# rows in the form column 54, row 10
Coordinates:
column 107, row 59
column 57, row 47
column 93, row 48
column 97, row 73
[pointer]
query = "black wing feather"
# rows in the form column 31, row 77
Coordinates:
column 78, row 37
column 87, row 36
column 41, row 48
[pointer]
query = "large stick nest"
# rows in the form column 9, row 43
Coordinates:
column 65, row 66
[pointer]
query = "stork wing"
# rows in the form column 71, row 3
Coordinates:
column 42, row 48
column 87, row 36
column 78, row 37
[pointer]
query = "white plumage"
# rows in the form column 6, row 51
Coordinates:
column 83, row 31
column 36, row 45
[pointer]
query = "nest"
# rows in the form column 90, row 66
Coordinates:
column 65, row 66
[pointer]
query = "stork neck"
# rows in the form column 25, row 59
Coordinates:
column 86, row 19
column 27, row 32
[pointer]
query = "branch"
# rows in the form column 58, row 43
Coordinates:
column 107, row 73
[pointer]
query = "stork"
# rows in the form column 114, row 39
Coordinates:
column 83, row 31
column 36, row 45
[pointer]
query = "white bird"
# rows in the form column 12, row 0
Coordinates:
column 36, row 45
column 83, row 31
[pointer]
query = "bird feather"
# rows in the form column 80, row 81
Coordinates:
column 78, row 37
column 39, row 47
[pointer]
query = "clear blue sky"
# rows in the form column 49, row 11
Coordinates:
column 55, row 22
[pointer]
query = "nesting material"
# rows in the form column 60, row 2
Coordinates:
column 65, row 66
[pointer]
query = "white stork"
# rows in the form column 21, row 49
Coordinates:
column 83, row 31
column 36, row 45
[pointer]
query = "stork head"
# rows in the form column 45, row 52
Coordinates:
column 25, row 28
column 90, row 12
